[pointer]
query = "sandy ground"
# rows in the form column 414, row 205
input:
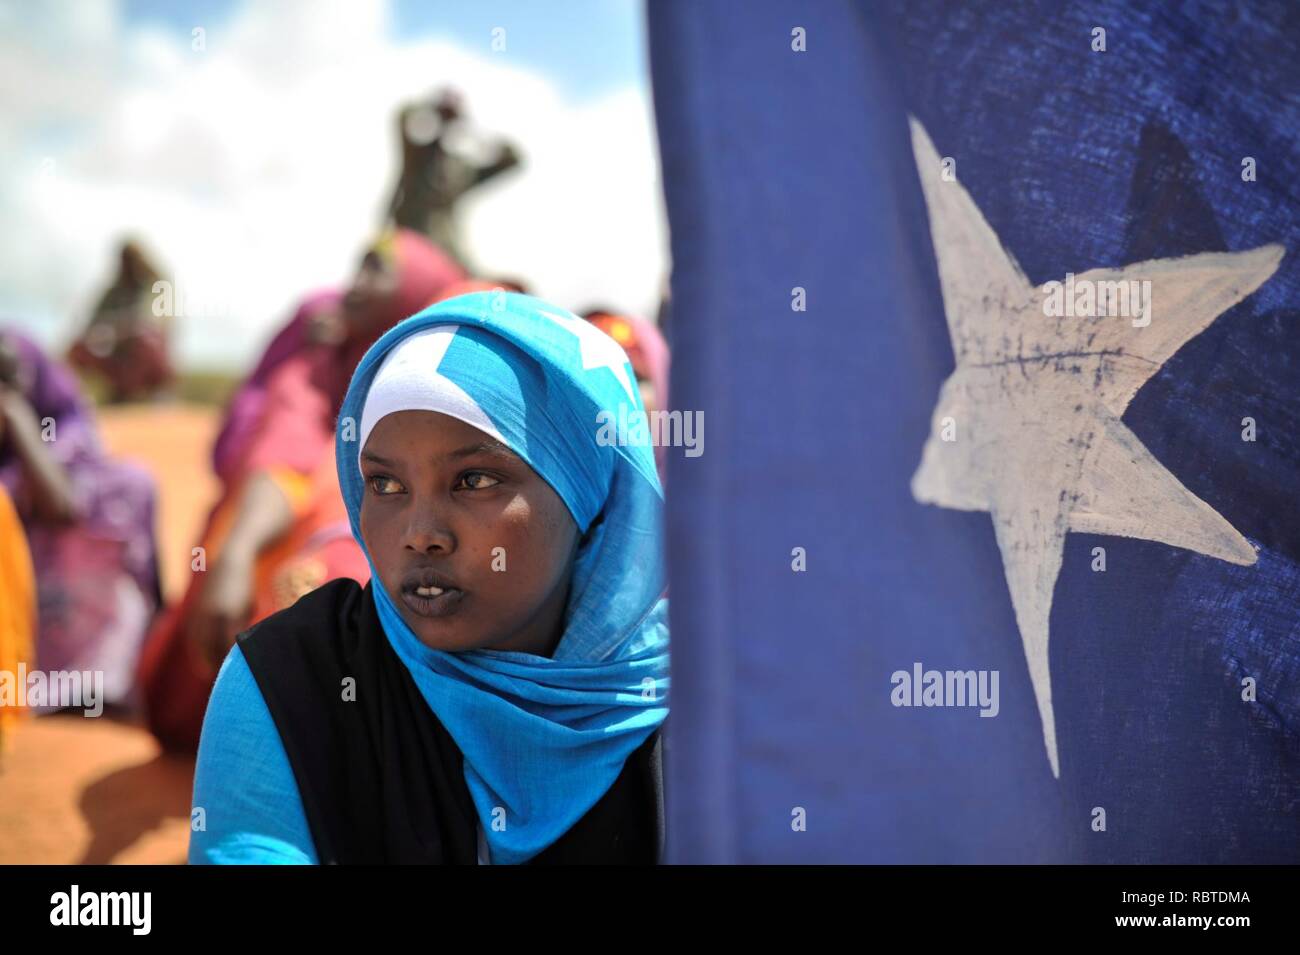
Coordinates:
column 79, row 790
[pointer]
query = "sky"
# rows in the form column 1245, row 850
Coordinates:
column 255, row 158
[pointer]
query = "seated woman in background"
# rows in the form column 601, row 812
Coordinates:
column 279, row 528
column 89, row 521
column 125, row 341
column 495, row 692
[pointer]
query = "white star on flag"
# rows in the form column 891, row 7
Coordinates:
column 1036, row 400
column 598, row 349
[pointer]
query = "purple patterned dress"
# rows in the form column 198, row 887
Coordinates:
column 97, row 578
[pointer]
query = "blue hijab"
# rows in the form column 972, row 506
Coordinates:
column 543, row 737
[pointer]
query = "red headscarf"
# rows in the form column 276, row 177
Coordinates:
column 424, row 271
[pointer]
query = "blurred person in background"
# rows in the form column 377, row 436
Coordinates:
column 125, row 341
column 89, row 521
column 438, row 168
column 279, row 528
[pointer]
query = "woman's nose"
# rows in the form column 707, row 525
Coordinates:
column 427, row 529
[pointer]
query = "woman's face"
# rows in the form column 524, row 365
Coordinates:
column 447, row 506
column 373, row 288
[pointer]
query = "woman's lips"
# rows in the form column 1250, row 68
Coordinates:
column 443, row 605
column 430, row 593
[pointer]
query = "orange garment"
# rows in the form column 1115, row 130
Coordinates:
column 17, row 611
column 318, row 548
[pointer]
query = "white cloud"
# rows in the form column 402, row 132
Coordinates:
column 256, row 168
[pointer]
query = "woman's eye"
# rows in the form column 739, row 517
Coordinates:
column 378, row 480
column 477, row 480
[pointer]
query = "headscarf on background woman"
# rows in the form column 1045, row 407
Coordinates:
column 542, row 737
column 96, row 567
column 279, row 430
column 244, row 409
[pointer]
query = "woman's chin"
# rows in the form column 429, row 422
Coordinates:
column 441, row 635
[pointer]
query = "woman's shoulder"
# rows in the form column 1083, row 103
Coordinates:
column 245, row 793
column 235, row 692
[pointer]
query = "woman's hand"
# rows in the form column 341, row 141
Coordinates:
column 46, row 483
column 223, row 607
column 12, row 403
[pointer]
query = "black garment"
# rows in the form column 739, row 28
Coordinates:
column 381, row 779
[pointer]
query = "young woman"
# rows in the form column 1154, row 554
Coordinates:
column 495, row 692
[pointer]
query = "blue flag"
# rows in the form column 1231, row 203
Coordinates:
column 991, row 555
